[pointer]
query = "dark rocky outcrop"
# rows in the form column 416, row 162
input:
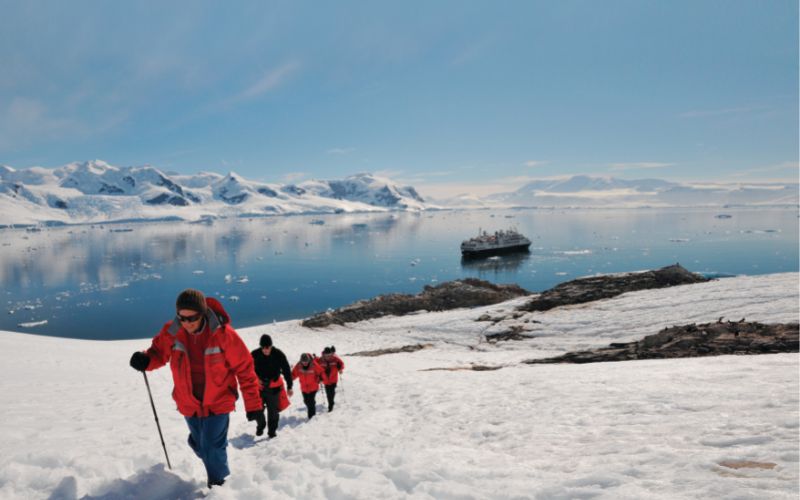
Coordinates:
column 475, row 368
column 164, row 199
column 392, row 350
column 709, row 339
column 603, row 287
column 468, row 292
column 516, row 332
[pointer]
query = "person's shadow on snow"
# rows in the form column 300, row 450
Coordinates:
column 156, row 483
column 246, row 440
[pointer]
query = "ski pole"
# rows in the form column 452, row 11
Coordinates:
column 156, row 416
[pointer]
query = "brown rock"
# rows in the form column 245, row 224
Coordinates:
column 593, row 288
column 468, row 292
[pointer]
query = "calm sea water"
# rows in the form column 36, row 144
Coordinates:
column 120, row 281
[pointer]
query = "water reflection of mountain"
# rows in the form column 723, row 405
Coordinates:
column 498, row 263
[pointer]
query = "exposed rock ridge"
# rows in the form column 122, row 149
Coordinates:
column 468, row 292
column 709, row 339
column 593, row 288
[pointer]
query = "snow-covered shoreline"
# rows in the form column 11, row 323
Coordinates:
column 78, row 421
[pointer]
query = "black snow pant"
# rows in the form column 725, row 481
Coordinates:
column 310, row 399
column 270, row 397
column 330, row 392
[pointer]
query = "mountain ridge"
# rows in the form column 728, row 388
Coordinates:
column 96, row 191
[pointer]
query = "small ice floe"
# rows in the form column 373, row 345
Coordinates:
column 228, row 278
column 32, row 324
column 412, row 279
column 723, row 216
column 415, row 261
column 576, row 252
column 495, row 258
column 234, row 298
column 146, row 265
column 317, row 222
column 242, row 279
column 198, row 271
column 121, row 230
column 561, row 273
column 679, row 240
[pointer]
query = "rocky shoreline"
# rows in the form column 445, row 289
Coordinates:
column 691, row 341
column 593, row 288
column 468, row 292
column 471, row 292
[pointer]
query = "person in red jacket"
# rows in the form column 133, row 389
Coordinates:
column 208, row 361
column 331, row 365
column 309, row 373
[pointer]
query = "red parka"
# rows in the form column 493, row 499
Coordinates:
column 331, row 366
column 226, row 361
column 309, row 376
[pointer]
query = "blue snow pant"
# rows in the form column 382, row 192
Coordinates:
column 209, row 438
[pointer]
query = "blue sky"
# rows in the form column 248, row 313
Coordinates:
column 452, row 96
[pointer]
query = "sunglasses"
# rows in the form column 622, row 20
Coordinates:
column 190, row 319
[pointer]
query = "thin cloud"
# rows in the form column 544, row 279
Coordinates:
column 294, row 176
column 389, row 174
column 639, row 165
column 534, row 163
column 26, row 120
column 340, row 151
column 269, row 81
column 789, row 166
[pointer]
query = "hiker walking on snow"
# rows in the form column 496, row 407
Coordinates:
column 310, row 374
column 208, row 359
column 270, row 362
column 331, row 365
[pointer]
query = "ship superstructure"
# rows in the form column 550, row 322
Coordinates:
column 496, row 243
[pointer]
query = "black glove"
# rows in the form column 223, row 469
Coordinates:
column 140, row 361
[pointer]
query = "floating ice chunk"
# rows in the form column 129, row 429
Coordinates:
column 32, row 324
column 679, row 240
column 228, row 278
column 561, row 273
column 233, row 298
column 576, row 252
column 242, row 279
column 198, row 271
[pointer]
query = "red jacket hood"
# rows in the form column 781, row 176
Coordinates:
column 216, row 306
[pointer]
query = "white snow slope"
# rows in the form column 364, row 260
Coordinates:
column 77, row 422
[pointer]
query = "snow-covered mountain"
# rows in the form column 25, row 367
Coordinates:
column 590, row 191
column 95, row 191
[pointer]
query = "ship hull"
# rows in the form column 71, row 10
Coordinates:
column 488, row 252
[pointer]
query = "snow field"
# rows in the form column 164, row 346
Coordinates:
column 78, row 422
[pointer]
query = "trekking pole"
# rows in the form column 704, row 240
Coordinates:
column 157, row 424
